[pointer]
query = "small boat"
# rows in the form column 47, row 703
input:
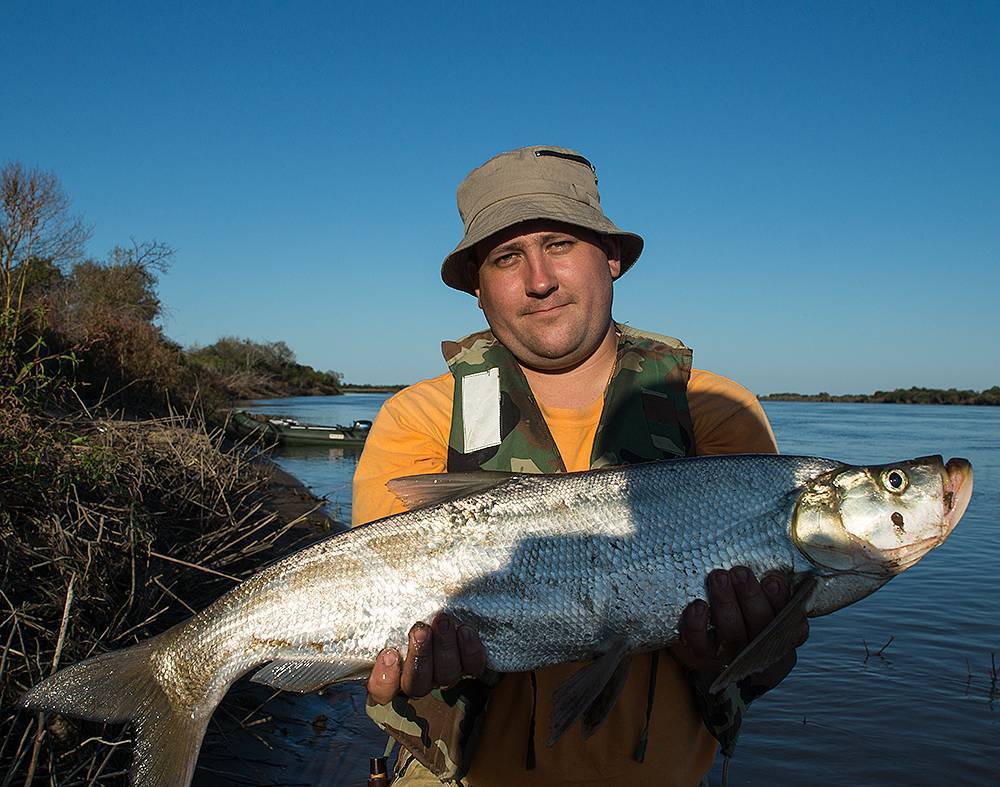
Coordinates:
column 288, row 431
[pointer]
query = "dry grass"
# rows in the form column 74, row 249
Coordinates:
column 112, row 531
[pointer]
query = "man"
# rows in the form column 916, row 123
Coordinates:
column 556, row 385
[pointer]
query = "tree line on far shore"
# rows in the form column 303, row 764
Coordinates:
column 914, row 395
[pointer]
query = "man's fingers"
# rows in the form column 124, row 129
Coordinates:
column 447, row 661
column 383, row 683
column 694, row 631
column 472, row 652
column 436, row 655
column 730, row 632
column 777, row 591
column 756, row 608
column 418, row 668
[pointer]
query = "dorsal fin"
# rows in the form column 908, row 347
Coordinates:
column 421, row 491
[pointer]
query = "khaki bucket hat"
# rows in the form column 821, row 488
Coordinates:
column 529, row 183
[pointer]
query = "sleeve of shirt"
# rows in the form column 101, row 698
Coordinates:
column 409, row 437
column 727, row 418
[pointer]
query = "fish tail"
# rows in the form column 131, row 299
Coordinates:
column 121, row 687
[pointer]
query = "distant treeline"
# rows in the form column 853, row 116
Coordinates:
column 369, row 388
column 990, row 396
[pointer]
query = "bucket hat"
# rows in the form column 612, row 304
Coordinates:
column 529, row 183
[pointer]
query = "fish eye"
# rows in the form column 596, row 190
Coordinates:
column 895, row 480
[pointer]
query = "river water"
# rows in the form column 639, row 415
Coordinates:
column 922, row 709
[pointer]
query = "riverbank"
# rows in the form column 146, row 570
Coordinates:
column 123, row 507
column 293, row 502
column 113, row 531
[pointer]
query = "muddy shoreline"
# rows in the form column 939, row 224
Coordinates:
column 292, row 500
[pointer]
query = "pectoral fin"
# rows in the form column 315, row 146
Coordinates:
column 779, row 637
column 597, row 686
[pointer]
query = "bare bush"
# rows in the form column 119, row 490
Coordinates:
column 36, row 230
column 113, row 531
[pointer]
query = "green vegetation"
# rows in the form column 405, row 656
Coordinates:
column 990, row 396
column 97, row 321
column 93, row 323
column 257, row 370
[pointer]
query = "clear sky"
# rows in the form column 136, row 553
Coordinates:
column 818, row 184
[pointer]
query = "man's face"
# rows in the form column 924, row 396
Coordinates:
column 545, row 288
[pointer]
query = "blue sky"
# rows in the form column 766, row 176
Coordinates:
column 817, row 183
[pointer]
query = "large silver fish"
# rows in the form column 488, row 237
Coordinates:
column 548, row 569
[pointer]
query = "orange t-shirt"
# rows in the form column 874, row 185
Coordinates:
column 410, row 437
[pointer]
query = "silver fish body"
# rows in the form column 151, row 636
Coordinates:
column 548, row 569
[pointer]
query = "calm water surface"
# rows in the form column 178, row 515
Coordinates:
column 925, row 711
column 326, row 470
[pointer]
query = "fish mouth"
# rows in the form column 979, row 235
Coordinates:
column 957, row 491
column 896, row 561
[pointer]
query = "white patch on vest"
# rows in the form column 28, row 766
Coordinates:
column 481, row 409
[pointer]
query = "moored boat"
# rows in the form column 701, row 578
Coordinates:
column 288, row 431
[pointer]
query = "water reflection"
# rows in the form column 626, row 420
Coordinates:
column 313, row 453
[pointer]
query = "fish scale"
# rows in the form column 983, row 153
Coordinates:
column 577, row 551
column 547, row 568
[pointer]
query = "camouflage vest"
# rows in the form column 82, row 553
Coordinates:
column 497, row 425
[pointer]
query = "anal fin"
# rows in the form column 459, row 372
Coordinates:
column 779, row 637
column 310, row 675
column 579, row 692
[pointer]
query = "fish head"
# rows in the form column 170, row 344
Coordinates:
column 880, row 520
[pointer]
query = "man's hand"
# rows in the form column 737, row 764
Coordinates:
column 740, row 607
column 436, row 655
